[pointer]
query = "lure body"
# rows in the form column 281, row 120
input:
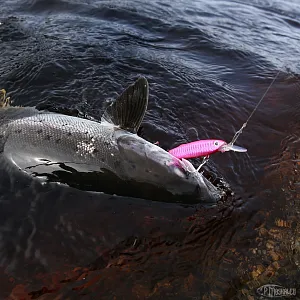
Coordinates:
column 198, row 149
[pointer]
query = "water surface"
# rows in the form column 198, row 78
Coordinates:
column 207, row 63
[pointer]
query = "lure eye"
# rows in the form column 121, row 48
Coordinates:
column 216, row 143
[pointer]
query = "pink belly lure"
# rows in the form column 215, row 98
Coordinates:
column 198, row 149
column 202, row 148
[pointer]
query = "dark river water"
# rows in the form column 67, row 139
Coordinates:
column 208, row 63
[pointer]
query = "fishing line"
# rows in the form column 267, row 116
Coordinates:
column 237, row 134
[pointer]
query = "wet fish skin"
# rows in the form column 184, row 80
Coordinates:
column 40, row 143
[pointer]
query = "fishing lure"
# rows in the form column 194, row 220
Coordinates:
column 203, row 148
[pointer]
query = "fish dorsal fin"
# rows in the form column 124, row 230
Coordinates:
column 129, row 109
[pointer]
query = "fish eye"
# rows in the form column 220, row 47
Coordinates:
column 216, row 143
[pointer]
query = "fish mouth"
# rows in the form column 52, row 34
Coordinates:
column 213, row 181
column 218, row 181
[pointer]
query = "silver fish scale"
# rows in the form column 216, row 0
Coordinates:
column 82, row 141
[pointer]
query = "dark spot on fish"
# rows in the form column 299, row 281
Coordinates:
column 147, row 171
column 117, row 164
column 86, row 132
column 57, row 141
column 40, row 131
column 133, row 166
column 69, row 133
column 102, row 159
column 95, row 150
column 47, row 137
column 18, row 131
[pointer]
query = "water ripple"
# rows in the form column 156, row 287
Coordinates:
column 208, row 64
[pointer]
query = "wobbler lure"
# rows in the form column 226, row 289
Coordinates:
column 203, row 148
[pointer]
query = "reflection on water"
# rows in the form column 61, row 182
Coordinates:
column 208, row 64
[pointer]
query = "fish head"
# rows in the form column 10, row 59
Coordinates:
column 146, row 162
column 141, row 161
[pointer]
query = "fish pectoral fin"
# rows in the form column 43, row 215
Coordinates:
column 129, row 109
